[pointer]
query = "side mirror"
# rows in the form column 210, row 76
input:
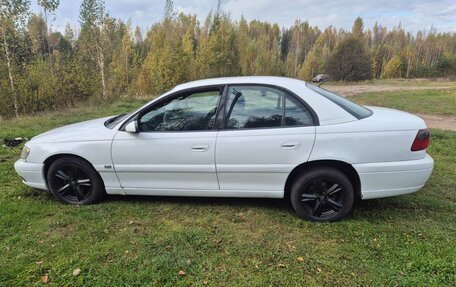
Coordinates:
column 132, row 127
column 321, row 79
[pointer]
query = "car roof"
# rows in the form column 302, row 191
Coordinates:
column 327, row 111
column 266, row 80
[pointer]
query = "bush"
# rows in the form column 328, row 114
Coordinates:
column 350, row 62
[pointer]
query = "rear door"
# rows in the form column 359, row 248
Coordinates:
column 266, row 132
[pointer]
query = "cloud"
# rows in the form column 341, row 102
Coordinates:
column 413, row 15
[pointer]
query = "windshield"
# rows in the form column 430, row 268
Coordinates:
column 356, row 110
column 114, row 121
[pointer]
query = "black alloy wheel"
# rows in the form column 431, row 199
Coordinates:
column 73, row 180
column 322, row 194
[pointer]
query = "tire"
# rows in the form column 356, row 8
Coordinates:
column 73, row 180
column 322, row 194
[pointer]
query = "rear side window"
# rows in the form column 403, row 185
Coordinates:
column 296, row 114
column 263, row 107
column 355, row 110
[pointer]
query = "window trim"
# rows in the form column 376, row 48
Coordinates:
column 315, row 120
column 177, row 94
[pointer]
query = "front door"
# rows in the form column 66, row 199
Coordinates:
column 175, row 147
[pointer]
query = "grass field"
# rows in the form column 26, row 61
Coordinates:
column 431, row 102
column 146, row 241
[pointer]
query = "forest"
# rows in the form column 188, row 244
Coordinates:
column 106, row 58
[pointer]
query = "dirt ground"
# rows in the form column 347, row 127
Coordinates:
column 352, row 90
column 433, row 121
column 439, row 122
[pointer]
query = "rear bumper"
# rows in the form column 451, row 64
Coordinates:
column 385, row 179
column 31, row 173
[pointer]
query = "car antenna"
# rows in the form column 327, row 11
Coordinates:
column 321, row 79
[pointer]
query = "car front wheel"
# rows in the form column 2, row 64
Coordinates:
column 322, row 194
column 73, row 180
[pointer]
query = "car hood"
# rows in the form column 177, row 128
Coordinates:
column 92, row 130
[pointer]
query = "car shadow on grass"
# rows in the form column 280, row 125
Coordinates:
column 378, row 209
column 277, row 204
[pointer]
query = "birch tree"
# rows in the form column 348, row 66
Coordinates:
column 13, row 15
column 92, row 17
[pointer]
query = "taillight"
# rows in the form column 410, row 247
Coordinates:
column 421, row 140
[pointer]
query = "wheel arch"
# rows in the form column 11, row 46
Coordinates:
column 344, row 167
column 48, row 161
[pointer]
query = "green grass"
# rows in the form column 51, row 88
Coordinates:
column 432, row 102
column 145, row 241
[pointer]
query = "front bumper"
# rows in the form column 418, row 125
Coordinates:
column 31, row 173
column 386, row 179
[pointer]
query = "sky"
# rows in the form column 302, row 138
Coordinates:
column 413, row 15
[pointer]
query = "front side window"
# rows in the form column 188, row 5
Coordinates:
column 194, row 111
column 263, row 107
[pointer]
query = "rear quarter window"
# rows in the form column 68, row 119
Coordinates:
column 355, row 110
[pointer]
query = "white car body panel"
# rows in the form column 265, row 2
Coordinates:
column 386, row 136
column 393, row 178
column 241, row 163
column 261, row 159
column 90, row 140
column 153, row 160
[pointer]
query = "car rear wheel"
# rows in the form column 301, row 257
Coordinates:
column 322, row 194
column 73, row 180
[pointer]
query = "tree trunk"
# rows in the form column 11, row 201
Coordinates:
column 126, row 66
column 100, row 58
column 102, row 72
column 47, row 42
column 100, row 62
column 10, row 75
column 408, row 66
column 295, row 71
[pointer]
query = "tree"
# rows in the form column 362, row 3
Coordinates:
column 36, row 28
column 138, row 35
column 164, row 66
column 218, row 54
column 69, row 34
column 122, row 56
column 188, row 50
column 13, row 15
column 357, row 29
column 302, row 38
column 395, row 68
column 318, row 56
column 49, row 6
column 43, row 70
column 92, row 18
column 350, row 61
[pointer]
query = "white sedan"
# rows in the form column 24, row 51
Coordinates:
column 237, row 137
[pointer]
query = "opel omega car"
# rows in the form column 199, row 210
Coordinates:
column 267, row 137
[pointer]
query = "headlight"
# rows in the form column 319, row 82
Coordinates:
column 25, row 152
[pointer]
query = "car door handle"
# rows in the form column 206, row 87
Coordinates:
column 200, row 148
column 291, row 145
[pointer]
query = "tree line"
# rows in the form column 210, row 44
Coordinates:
column 107, row 58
